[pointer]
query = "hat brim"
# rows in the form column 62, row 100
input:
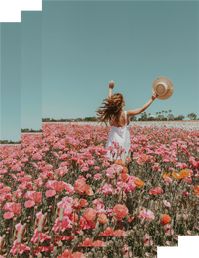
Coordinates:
column 169, row 84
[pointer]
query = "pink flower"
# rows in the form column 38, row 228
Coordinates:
column 99, row 205
column 5, row 189
column 17, row 194
column 147, row 240
column 19, row 248
column 97, row 176
column 106, row 189
column 8, row 215
column 62, row 225
column 143, row 158
column 39, row 237
column 37, row 156
column 181, row 165
column 29, row 204
column 69, row 254
column 193, row 162
column 20, row 230
column 188, row 180
column 34, row 196
column 156, row 167
column 146, row 214
column 185, row 193
column 167, row 204
column 113, row 170
column 59, row 186
column 61, row 171
column 168, row 230
column 50, row 193
column 131, row 186
column 84, row 168
column 38, row 182
column 66, row 205
column 40, row 220
column 13, row 207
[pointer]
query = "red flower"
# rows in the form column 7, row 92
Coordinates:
column 119, row 233
column 107, row 232
column 85, row 224
column 74, row 217
column 165, row 219
column 66, row 254
column 80, row 186
column 98, row 243
column 120, row 211
column 58, row 186
column 83, row 203
column 69, row 254
column 58, row 238
column 110, row 232
column 78, row 255
column 87, row 242
column 44, row 248
column 102, row 218
column 124, row 175
column 130, row 219
column 196, row 190
column 90, row 214
column 156, row 191
column 88, row 190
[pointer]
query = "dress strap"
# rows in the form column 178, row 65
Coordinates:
column 126, row 116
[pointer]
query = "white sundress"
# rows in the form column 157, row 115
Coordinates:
column 119, row 142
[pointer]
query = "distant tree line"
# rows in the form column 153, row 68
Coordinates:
column 30, row 130
column 79, row 119
column 164, row 115
column 9, row 142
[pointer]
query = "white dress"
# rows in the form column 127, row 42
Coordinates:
column 118, row 143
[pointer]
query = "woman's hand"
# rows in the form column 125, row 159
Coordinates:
column 111, row 84
column 154, row 96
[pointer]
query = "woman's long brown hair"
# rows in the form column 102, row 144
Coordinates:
column 111, row 108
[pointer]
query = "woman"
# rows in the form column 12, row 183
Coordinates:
column 112, row 111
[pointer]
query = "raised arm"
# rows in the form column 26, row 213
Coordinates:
column 110, row 90
column 140, row 110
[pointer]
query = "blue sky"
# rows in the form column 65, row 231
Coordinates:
column 70, row 51
column 86, row 44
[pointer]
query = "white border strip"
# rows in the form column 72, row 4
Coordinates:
column 10, row 10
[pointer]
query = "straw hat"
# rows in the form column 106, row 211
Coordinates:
column 163, row 87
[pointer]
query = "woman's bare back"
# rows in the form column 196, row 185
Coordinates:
column 123, row 120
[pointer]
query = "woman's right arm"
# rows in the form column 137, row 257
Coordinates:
column 110, row 90
column 140, row 110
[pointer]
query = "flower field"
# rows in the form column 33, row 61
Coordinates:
column 61, row 197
